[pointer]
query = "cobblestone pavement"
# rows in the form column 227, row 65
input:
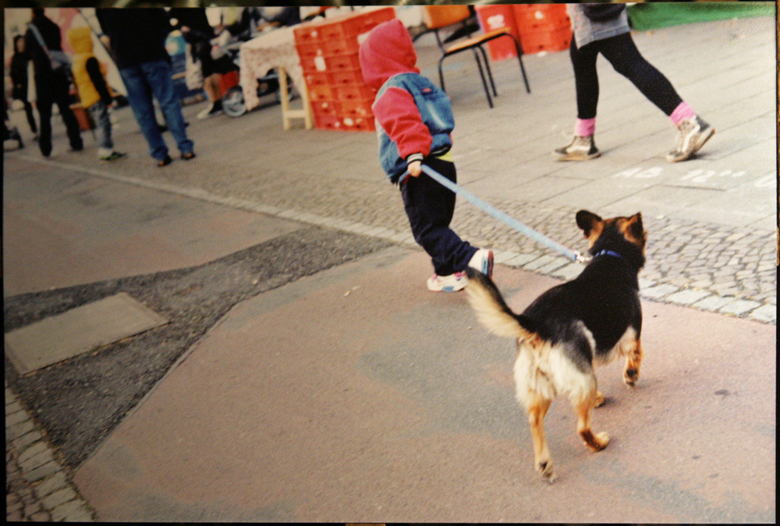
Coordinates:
column 38, row 489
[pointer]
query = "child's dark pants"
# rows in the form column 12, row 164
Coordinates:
column 430, row 207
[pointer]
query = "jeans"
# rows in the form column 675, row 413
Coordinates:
column 154, row 78
column 430, row 207
column 102, row 120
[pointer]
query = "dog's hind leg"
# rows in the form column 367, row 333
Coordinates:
column 537, row 409
column 634, row 360
column 583, row 408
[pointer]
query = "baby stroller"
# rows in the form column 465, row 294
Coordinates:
column 233, row 97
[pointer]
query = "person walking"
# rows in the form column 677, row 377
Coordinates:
column 95, row 93
column 136, row 38
column 603, row 29
column 414, row 124
column 19, row 78
column 52, row 84
column 198, row 33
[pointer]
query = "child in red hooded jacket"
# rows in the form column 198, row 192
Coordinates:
column 414, row 124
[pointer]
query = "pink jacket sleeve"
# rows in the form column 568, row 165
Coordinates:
column 400, row 119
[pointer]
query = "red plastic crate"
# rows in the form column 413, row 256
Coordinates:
column 535, row 17
column 347, row 77
column 355, row 92
column 327, row 122
column 551, row 41
column 355, row 24
column 315, row 64
column 308, row 33
column 492, row 17
column 326, row 107
column 318, row 93
column 356, row 108
column 357, row 123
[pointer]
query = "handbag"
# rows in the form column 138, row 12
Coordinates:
column 602, row 12
column 59, row 59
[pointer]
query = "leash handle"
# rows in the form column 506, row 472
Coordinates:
column 501, row 216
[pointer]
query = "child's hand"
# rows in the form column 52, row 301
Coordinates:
column 415, row 168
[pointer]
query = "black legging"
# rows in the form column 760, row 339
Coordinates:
column 622, row 53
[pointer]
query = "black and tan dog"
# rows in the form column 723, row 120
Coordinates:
column 573, row 327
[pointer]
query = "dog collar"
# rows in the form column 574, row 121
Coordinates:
column 608, row 253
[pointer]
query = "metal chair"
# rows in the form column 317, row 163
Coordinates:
column 441, row 16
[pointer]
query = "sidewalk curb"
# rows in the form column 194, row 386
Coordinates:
column 558, row 267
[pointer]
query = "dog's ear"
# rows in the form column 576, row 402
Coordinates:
column 635, row 229
column 589, row 222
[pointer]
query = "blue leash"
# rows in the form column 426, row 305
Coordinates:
column 574, row 255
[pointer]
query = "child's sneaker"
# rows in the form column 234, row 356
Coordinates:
column 451, row 283
column 580, row 149
column 113, row 156
column 694, row 132
column 482, row 260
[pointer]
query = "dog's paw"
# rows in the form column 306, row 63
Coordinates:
column 600, row 399
column 631, row 377
column 545, row 468
column 600, row 442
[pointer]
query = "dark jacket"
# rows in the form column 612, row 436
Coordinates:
column 19, row 75
column 136, row 35
column 52, row 37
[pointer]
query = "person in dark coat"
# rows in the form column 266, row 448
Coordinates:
column 19, row 63
column 51, row 86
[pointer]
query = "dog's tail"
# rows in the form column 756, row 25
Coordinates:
column 492, row 311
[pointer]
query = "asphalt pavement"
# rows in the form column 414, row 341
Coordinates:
column 308, row 375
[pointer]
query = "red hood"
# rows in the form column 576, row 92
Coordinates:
column 387, row 51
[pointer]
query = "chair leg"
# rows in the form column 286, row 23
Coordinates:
column 490, row 74
column 482, row 76
column 441, row 74
column 520, row 60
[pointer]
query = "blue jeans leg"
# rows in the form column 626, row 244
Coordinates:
column 102, row 125
column 139, row 95
column 159, row 74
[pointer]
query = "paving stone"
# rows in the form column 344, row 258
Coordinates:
column 15, row 431
column 520, row 260
column 36, row 461
column 767, row 313
column 41, row 472
column 687, row 297
column 713, row 303
column 52, row 484
column 739, row 307
column 59, row 497
column 62, row 512
column 658, row 291
column 79, row 330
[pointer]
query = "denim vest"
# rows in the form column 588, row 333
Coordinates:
column 436, row 112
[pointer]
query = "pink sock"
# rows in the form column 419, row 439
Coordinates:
column 682, row 112
column 585, row 127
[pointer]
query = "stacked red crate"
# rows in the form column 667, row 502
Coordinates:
column 492, row 17
column 340, row 99
column 543, row 27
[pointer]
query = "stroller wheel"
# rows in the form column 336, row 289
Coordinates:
column 233, row 102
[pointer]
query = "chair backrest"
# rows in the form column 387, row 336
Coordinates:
column 436, row 16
